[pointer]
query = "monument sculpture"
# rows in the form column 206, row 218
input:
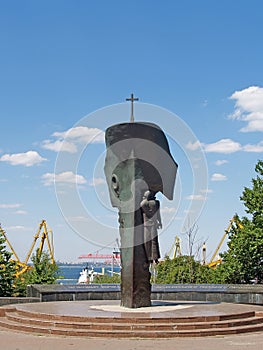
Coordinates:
column 138, row 165
column 152, row 222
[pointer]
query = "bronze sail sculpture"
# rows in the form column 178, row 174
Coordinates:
column 138, row 165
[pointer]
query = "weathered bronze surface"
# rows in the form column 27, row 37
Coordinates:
column 138, row 165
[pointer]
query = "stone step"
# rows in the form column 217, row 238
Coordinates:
column 95, row 324
column 128, row 333
column 83, row 319
column 137, row 319
column 16, row 321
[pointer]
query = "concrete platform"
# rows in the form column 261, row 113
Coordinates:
column 159, row 309
column 106, row 319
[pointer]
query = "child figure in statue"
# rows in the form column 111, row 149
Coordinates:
column 150, row 207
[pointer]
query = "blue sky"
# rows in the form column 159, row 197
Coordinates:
column 69, row 66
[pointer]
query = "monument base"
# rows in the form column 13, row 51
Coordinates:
column 104, row 319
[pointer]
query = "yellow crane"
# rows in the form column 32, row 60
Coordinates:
column 20, row 265
column 8, row 242
column 23, row 266
column 176, row 248
column 44, row 237
column 214, row 262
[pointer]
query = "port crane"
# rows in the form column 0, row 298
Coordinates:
column 42, row 231
column 44, row 237
column 116, row 255
column 21, row 266
column 213, row 261
column 96, row 256
column 176, row 249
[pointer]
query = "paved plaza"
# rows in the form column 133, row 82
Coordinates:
column 19, row 341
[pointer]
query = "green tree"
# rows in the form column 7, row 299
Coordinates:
column 253, row 197
column 243, row 262
column 182, row 269
column 107, row 279
column 7, row 269
column 43, row 271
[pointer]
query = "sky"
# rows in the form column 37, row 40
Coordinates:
column 66, row 69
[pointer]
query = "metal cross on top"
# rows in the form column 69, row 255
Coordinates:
column 132, row 99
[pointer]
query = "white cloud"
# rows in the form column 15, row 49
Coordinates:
column 17, row 228
column 205, row 103
column 196, row 197
column 21, row 212
column 218, row 177
column 188, row 211
column 79, row 219
column 60, row 146
column 97, row 181
column 68, row 140
column 249, row 108
column 206, row 191
column 223, row 146
column 254, row 148
column 10, row 206
column 193, row 146
column 168, row 210
column 67, row 177
column 27, row 159
column 82, row 134
column 221, row 162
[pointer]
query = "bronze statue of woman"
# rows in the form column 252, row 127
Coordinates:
column 150, row 207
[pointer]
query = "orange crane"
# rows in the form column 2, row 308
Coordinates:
column 214, row 262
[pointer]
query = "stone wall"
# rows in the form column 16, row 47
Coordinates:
column 14, row 300
column 244, row 294
column 231, row 293
column 55, row 292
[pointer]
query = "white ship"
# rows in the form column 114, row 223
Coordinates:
column 87, row 275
